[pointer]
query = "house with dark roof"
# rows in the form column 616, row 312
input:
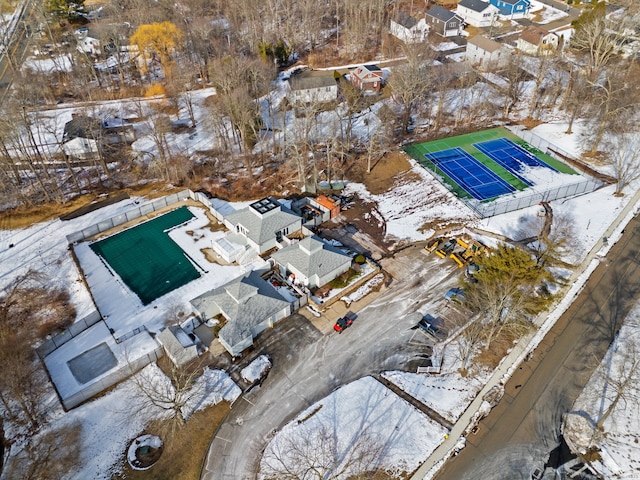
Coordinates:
column 478, row 13
column 264, row 224
column 247, row 306
column 534, row 40
column 311, row 262
column 84, row 136
column 486, row 54
column 409, row 29
column 367, row 78
column 443, row 22
column 512, row 9
column 312, row 86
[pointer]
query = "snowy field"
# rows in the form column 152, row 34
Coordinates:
column 362, row 418
column 617, row 377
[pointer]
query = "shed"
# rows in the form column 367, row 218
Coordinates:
column 178, row 345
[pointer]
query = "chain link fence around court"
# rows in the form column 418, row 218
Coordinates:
column 506, row 205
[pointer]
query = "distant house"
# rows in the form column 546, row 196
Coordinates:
column 311, row 262
column 87, row 42
column 512, row 8
column 537, row 41
column 486, row 54
column 478, row 13
column 178, row 345
column 443, row 22
column 263, row 224
column 367, row 78
column 409, row 29
column 249, row 304
column 84, row 136
column 312, row 86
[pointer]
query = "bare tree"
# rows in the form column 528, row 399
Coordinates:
column 28, row 310
column 612, row 105
column 407, row 83
column 317, row 454
column 47, row 456
column 168, row 395
column 624, row 157
column 599, row 38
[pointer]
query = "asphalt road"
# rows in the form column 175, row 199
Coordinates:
column 309, row 362
column 520, row 433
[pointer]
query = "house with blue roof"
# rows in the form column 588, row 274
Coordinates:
column 512, row 9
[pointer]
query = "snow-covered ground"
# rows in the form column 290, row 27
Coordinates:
column 612, row 398
column 360, row 420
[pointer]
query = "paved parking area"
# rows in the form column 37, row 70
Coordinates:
column 310, row 360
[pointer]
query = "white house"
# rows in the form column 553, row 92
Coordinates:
column 486, row 54
column 249, row 304
column 312, row 262
column 87, row 42
column 478, row 13
column 312, row 86
column 409, row 29
column 534, row 40
column 263, row 224
column 178, row 345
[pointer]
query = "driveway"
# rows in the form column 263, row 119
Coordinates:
column 309, row 362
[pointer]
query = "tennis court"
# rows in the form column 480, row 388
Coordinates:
column 147, row 260
column 476, row 179
column 486, row 164
column 511, row 156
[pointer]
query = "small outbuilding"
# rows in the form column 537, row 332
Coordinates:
column 178, row 345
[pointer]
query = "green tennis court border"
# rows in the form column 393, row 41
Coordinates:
column 417, row 151
column 145, row 257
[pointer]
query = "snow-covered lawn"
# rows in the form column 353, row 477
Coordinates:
column 448, row 393
column 618, row 440
column 360, row 419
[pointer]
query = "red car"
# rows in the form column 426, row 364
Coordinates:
column 344, row 322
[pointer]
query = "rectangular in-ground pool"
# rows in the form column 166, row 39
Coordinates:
column 147, row 259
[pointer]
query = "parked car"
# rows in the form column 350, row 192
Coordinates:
column 537, row 473
column 455, row 294
column 344, row 322
column 314, row 311
column 432, row 326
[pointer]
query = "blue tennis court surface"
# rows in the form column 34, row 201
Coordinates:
column 511, row 156
column 476, row 179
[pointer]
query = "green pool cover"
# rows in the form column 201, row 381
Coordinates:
column 147, row 260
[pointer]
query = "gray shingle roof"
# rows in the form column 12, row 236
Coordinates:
column 246, row 302
column 476, row 5
column 261, row 228
column 310, row 79
column 406, row 20
column 441, row 13
column 311, row 256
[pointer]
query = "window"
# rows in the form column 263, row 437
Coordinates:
column 485, row 15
